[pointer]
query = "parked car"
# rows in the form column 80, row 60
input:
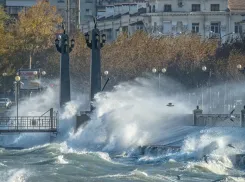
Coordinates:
column 5, row 102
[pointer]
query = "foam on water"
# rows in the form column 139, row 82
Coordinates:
column 15, row 175
column 61, row 160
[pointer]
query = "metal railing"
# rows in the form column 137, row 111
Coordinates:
column 30, row 123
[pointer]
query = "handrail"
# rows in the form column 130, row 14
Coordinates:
column 45, row 112
column 28, row 124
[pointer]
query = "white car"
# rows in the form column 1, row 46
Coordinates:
column 5, row 102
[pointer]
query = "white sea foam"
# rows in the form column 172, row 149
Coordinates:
column 61, row 160
column 15, row 175
column 138, row 173
column 132, row 115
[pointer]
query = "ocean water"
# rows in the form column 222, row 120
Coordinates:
column 58, row 162
column 107, row 149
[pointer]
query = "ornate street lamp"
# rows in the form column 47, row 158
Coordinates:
column 64, row 48
column 95, row 44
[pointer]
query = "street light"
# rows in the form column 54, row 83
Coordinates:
column 240, row 68
column 4, row 75
column 43, row 73
column 17, row 79
column 106, row 73
column 159, row 71
column 204, row 68
column 64, row 48
column 95, row 44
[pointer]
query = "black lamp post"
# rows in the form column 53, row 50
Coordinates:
column 204, row 68
column 62, row 46
column 17, row 80
column 4, row 75
column 95, row 45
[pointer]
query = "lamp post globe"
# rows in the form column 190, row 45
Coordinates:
column 239, row 66
column 4, row 74
column 204, row 68
column 43, row 73
column 154, row 70
column 17, row 78
column 35, row 72
column 164, row 70
column 106, row 72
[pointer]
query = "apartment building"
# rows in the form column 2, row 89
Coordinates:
column 117, row 18
column 13, row 7
column 72, row 18
column 209, row 18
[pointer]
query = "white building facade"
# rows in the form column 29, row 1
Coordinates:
column 205, row 17
column 216, row 18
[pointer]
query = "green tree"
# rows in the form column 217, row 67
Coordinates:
column 36, row 27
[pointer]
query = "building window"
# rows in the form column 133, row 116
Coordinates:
column 215, row 27
column 167, row 8
column 237, row 28
column 196, row 7
column 153, row 8
column 139, row 27
column 14, row 10
column 214, row 7
column 195, row 27
column 61, row 1
column 87, row 12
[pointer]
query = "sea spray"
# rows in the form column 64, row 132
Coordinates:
column 131, row 115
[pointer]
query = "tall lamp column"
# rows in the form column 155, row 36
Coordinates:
column 95, row 45
column 62, row 46
column 204, row 68
column 17, row 80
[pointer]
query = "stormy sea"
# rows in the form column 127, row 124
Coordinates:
column 115, row 145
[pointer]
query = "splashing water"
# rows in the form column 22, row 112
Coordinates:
column 133, row 114
column 129, row 116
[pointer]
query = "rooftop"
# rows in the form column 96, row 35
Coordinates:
column 236, row 5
